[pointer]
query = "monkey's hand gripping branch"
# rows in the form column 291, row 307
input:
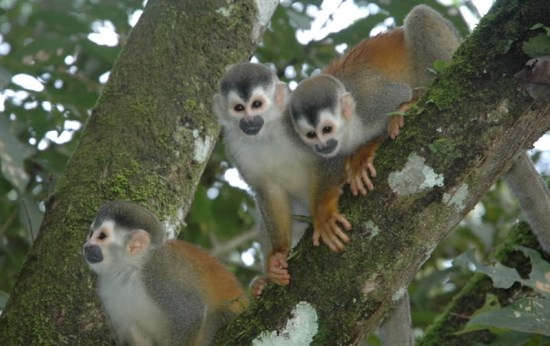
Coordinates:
column 360, row 165
column 277, row 268
column 360, row 168
column 327, row 220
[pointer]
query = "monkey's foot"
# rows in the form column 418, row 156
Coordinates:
column 330, row 231
column 360, row 169
column 257, row 286
column 396, row 123
column 277, row 268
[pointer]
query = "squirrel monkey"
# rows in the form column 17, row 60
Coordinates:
column 284, row 174
column 350, row 104
column 260, row 141
column 345, row 112
column 155, row 291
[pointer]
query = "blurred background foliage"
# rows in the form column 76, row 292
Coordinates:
column 55, row 57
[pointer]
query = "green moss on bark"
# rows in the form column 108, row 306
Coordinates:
column 139, row 144
column 456, row 129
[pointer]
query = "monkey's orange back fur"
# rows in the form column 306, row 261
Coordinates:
column 220, row 286
column 386, row 52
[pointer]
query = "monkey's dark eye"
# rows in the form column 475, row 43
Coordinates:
column 327, row 129
column 102, row 236
column 311, row 134
column 239, row 108
column 256, row 104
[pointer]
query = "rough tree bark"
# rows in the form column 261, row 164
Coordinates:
column 151, row 132
column 460, row 138
column 148, row 140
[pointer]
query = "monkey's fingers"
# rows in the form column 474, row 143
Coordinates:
column 337, row 231
column 372, row 170
column 316, row 236
column 395, row 124
column 257, row 286
column 277, row 269
column 366, row 180
column 332, row 241
column 343, row 221
column 357, row 186
column 279, row 279
column 278, row 260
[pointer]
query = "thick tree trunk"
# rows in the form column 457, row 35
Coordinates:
column 462, row 136
column 148, row 140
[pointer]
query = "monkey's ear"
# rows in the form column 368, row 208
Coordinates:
column 348, row 105
column 139, row 242
column 281, row 95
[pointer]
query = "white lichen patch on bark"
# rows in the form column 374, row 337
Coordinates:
column 399, row 294
column 499, row 113
column 202, row 147
column 458, row 198
column 414, row 177
column 370, row 285
column 174, row 223
column 299, row 330
column 372, row 227
column 225, row 11
column 264, row 11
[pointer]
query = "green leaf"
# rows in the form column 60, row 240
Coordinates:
column 537, row 46
column 5, row 77
column 12, row 155
column 539, row 278
column 299, row 20
column 440, row 65
column 502, row 277
column 29, row 214
column 529, row 314
column 491, row 304
column 3, row 299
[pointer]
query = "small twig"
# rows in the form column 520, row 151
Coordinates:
column 8, row 222
column 235, row 242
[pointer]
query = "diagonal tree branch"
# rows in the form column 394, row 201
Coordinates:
column 462, row 136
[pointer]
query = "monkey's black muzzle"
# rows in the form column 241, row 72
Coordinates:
column 251, row 126
column 327, row 148
column 92, row 254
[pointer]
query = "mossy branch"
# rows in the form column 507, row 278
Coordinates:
column 457, row 142
column 148, row 140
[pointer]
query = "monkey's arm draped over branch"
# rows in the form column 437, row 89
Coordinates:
column 461, row 137
column 148, row 140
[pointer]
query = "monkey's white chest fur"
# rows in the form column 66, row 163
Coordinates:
column 135, row 317
column 272, row 160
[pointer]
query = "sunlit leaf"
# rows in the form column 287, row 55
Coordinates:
column 528, row 314
column 12, row 155
column 503, row 277
column 537, row 46
column 3, row 299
